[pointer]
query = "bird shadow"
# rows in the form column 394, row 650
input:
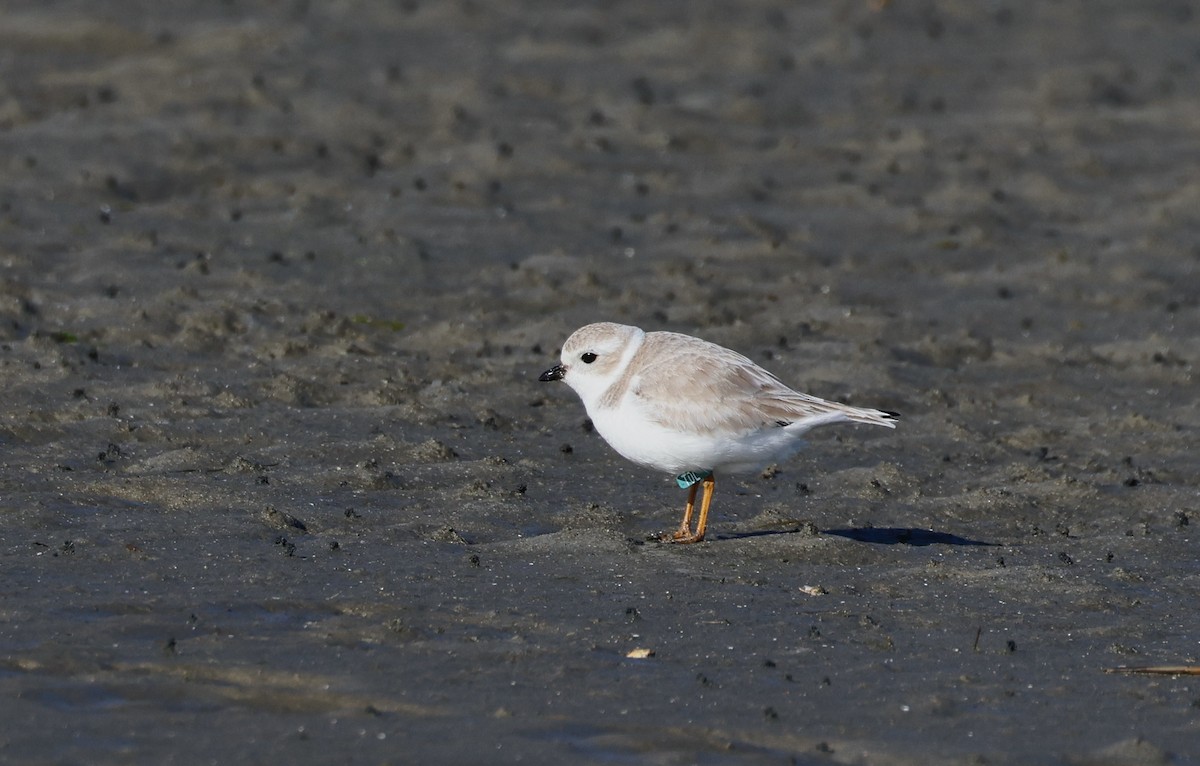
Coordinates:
column 902, row 536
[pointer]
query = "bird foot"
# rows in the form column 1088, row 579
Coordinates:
column 684, row 535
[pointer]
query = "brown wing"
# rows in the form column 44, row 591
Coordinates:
column 676, row 378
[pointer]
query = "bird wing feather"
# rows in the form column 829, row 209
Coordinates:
column 688, row 371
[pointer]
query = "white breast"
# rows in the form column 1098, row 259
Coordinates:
column 655, row 446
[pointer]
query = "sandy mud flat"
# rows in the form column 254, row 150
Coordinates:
column 279, row 484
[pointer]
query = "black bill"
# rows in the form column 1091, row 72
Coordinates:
column 554, row 373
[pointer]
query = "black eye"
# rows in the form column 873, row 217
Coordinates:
column 588, row 357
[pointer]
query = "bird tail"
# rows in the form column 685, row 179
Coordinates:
column 883, row 418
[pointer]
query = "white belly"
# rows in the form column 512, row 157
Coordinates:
column 654, row 446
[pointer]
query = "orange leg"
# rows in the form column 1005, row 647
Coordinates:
column 685, row 527
column 685, row 535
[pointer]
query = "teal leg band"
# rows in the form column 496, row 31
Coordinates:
column 687, row 479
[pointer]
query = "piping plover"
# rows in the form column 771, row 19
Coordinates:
column 683, row 405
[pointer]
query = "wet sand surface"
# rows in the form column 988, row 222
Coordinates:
column 279, row 483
